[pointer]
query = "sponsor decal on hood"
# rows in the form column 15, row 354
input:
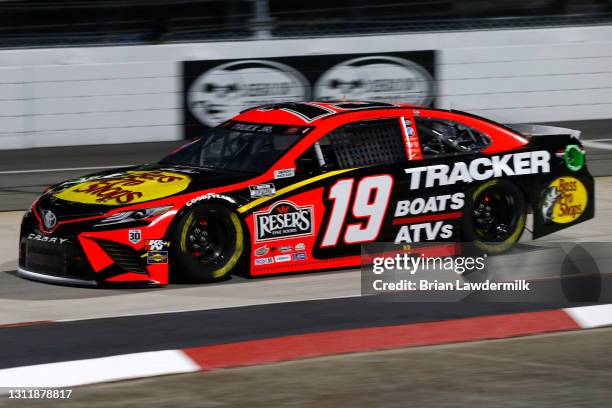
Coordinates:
column 128, row 187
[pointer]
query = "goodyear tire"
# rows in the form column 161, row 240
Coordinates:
column 207, row 244
column 495, row 216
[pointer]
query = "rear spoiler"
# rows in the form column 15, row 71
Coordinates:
column 528, row 130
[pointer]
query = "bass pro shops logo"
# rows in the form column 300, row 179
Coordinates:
column 227, row 89
column 134, row 186
column 284, row 219
column 564, row 200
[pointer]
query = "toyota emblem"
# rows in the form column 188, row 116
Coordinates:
column 49, row 219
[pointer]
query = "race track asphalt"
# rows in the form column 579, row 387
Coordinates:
column 84, row 339
column 561, row 370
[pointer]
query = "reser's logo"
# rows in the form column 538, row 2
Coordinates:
column 284, row 219
column 283, row 209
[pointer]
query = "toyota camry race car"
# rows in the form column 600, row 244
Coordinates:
column 297, row 187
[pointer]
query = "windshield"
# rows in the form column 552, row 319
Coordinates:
column 246, row 147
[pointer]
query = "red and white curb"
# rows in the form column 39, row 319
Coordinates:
column 206, row 358
column 95, row 370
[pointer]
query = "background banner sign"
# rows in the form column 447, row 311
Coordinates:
column 216, row 90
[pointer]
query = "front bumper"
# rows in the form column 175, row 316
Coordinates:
column 42, row 277
column 75, row 253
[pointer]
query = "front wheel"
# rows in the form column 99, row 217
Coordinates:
column 207, row 243
column 495, row 216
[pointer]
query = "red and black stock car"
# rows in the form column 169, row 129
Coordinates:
column 296, row 187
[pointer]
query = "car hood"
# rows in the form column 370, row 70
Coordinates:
column 97, row 193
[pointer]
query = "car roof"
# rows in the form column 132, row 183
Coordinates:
column 312, row 112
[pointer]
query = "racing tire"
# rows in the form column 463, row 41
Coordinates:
column 207, row 244
column 494, row 217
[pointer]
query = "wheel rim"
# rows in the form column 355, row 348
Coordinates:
column 495, row 215
column 207, row 239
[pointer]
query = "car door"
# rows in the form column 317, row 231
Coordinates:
column 341, row 196
column 357, row 202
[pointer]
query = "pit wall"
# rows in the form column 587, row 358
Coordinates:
column 80, row 96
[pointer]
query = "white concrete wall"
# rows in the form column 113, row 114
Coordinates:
column 53, row 97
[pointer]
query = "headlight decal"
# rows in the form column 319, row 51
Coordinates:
column 134, row 215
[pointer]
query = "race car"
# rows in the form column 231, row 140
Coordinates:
column 295, row 187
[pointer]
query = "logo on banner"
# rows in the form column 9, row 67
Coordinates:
column 284, row 219
column 376, row 78
column 223, row 91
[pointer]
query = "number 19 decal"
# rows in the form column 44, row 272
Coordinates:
column 369, row 203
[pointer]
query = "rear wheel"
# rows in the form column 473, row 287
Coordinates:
column 495, row 216
column 208, row 243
